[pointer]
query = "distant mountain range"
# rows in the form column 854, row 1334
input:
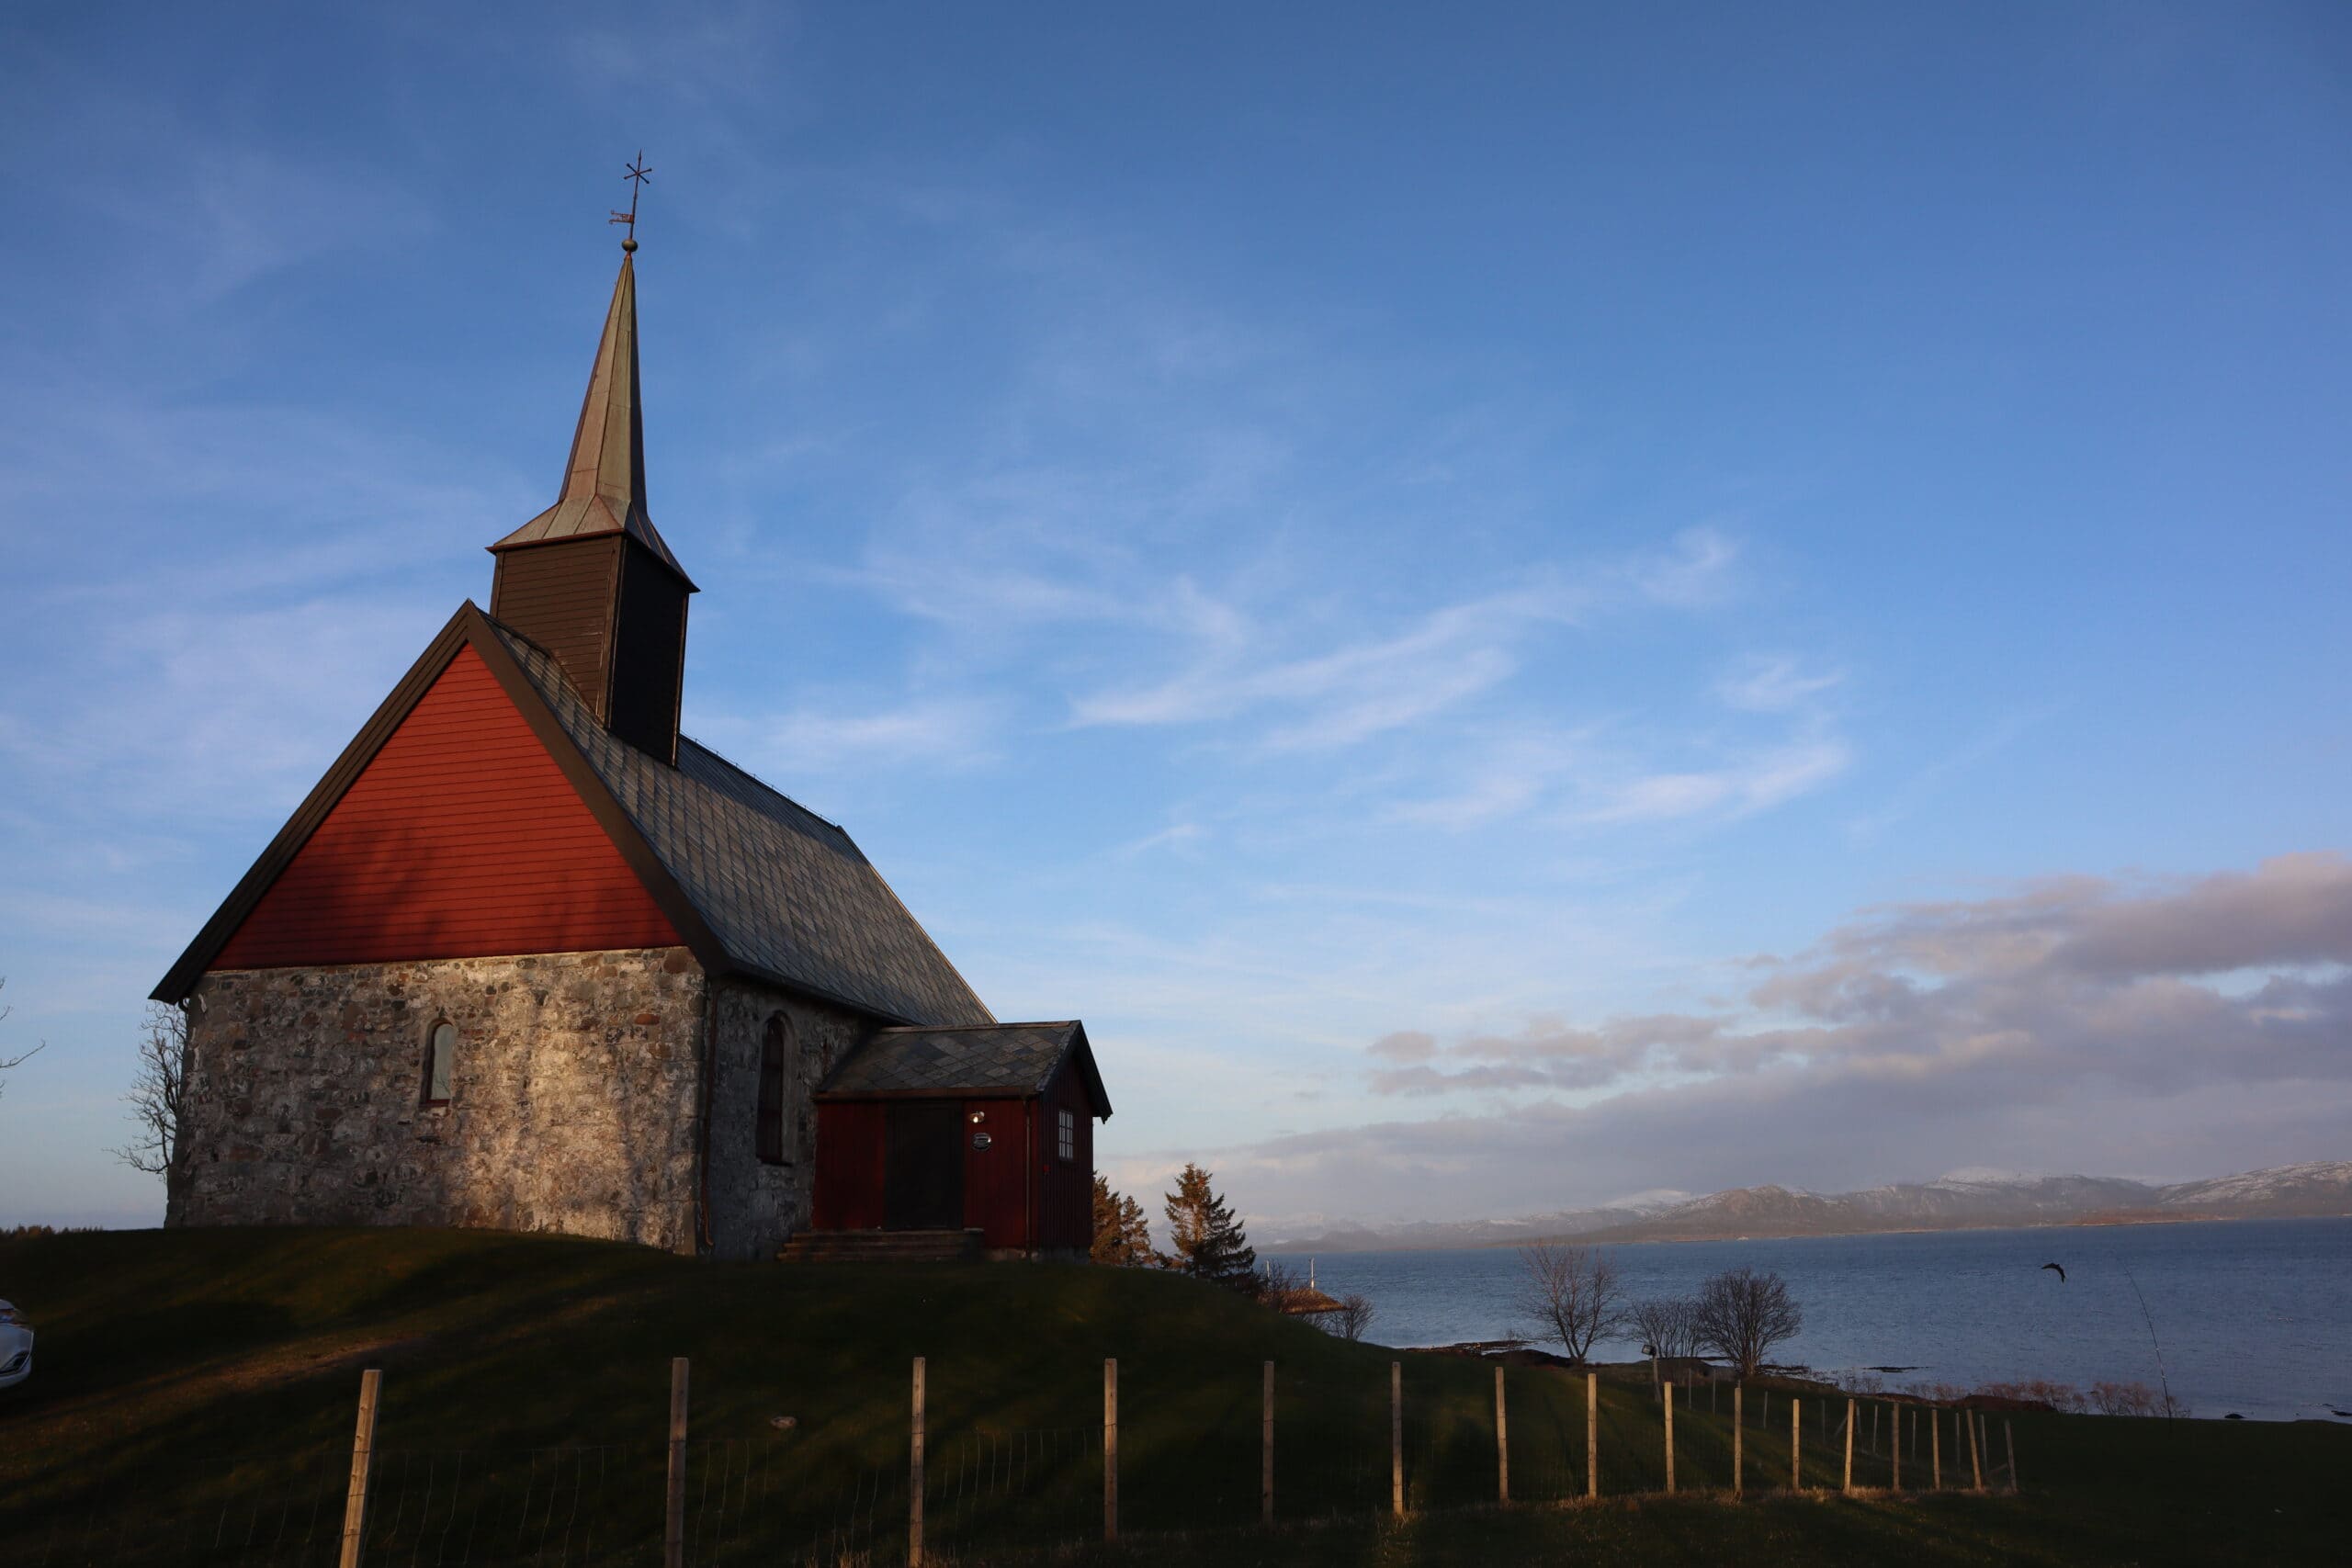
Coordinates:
column 1965, row 1199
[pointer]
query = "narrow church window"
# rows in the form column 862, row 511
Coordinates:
column 1067, row 1134
column 771, row 1110
column 440, row 1061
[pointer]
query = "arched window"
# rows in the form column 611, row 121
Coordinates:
column 440, row 1062
column 773, row 1051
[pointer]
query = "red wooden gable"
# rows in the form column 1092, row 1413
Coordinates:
column 460, row 838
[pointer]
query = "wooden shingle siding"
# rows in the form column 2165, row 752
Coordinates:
column 560, row 596
column 461, row 839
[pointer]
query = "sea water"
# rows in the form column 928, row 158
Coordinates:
column 2253, row 1317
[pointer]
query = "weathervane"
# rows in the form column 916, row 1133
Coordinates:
column 636, row 177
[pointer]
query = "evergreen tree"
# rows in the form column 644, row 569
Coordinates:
column 1122, row 1238
column 1210, row 1244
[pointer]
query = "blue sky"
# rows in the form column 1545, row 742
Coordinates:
column 1516, row 604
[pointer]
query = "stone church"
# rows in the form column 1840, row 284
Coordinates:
column 528, row 958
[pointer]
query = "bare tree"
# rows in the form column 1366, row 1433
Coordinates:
column 1668, row 1326
column 158, row 1097
column 1353, row 1318
column 19, row 1060
column 1572, row 1292
column 1278, row 1282
column 1743, row 1313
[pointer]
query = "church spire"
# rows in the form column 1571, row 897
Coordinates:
column 590, row 579
column 604, row 480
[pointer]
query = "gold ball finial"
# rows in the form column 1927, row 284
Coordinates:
column 628, row 245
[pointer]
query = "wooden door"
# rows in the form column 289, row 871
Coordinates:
column 922, row 1181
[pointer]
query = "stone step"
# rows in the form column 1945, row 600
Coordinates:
column 883, row 1246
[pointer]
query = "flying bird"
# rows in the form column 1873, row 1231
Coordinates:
column 2055, row 1270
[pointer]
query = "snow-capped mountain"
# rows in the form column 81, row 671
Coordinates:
column 1973, row 1199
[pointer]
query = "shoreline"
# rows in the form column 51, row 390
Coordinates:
column 1778, row 1377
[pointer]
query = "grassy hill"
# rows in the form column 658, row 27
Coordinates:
column 194, row 1404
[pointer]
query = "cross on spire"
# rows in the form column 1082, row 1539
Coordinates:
column 637, row 175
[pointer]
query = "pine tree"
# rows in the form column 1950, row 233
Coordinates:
column 1122, row 1238
column 1210, row 1243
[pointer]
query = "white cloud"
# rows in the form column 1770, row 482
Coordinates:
column 1346, row 695
column 1774, row 683
column 1695, row 575
column 1175, row 836
column 951, row 732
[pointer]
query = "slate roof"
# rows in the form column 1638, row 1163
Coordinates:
column 1012, row 1059
column 786, row 892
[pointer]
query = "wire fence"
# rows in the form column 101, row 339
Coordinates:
column 987, row 1493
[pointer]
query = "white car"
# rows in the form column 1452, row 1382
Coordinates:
column 16, row 1346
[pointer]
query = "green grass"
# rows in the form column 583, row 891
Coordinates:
column 194, row 1396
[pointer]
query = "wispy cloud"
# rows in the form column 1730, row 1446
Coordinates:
column 1175, row 836
column 1757, row 782
column 927, row 733
column 1775, row 683
column 199, row 212
column 1499, row 776
column 1349, row 694
column 1696, row 574
column 1914, row 792
column 1617, row 773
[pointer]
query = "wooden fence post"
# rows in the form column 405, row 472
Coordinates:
column 1976, row 1465
column 1739, row 1393
column 1110, row 1448
column 363, row 1457
column 1502, row 1442
column 1669, row 1436
column 673, row 1523
column 1796, row 1444
column 1593, row 1434
column 1848, row 1484
column 1266, row 1453
column 1894, row 1430
column 914, row 1474
column 1396, row 1437
column 1935, row 1448
column 2009, row 1439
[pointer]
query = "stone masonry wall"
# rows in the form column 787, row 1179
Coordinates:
column 755, row 1207
column 574, row 1106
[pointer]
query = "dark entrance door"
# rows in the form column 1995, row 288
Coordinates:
column 922, row 1172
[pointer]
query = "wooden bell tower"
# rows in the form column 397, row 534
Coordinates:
column 590, row 579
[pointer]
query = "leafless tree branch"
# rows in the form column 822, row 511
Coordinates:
column 1668, row 1326
column 158, row 1095
column 17, row 1061
column 1743, row 1313
column 1572, row 1292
